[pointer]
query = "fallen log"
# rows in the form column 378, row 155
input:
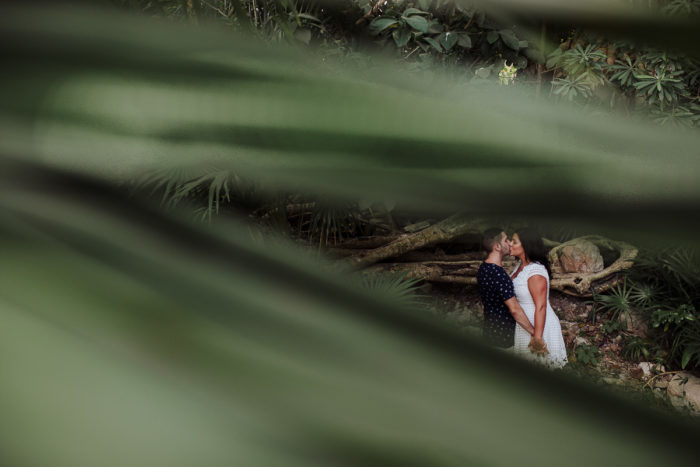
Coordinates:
column 464, row 271
column 443, row 231
column 362, row 245
column 458, row 272
column 415, row 256
column 434, row 271
column 439, row 267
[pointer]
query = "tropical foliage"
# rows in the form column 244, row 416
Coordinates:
column 663, row 292
column 470, row 42
column 475, row 41
column 669, row 293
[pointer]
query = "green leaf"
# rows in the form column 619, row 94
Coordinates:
column 553, row 58
column 309, row 17
column 436, row 45
column 523, row 44
column 509, row 39
column 435, row 27
column 381, row 23
column 414, row 11
column 686, row 358
column 464, row 40
column 448, row 40
column 418, row 23
column 424, row 4
column 491, row 37
column 401, row 36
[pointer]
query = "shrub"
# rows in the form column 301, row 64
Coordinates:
column 587, row 354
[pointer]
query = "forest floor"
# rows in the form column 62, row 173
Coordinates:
column 461, row 307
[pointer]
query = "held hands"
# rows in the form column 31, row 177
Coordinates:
column 538, row 347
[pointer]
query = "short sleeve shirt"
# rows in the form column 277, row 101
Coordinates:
column 495, row 288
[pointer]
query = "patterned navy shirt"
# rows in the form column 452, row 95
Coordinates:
column 495, row 288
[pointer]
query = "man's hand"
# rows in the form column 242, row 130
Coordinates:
column 538, row 347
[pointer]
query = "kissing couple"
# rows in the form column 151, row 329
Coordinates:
column 517, row 312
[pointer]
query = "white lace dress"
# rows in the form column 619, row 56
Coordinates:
column 552, row 328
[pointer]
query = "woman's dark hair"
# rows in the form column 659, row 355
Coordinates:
column 534, row 247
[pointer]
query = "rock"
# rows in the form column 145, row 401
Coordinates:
column 635, row 323
column 581, row 341
column 613, row 381
column 577, row 255
column 661, row 383
column 684, row 392
column 637, row 373
column 646, row 368
column 659, row 393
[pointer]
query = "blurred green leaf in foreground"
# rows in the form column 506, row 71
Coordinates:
column 129, row 337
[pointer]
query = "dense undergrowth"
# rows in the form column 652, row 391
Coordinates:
column 475, row 43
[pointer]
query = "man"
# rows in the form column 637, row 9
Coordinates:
column 501, row 308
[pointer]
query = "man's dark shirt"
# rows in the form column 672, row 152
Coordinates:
column 495, row 288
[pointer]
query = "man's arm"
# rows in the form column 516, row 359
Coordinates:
column 519, row 315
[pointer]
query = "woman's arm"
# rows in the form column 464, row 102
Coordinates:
column 537, row 285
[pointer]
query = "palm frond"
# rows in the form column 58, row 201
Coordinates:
column 193, row 346
column 215, row 349
column 265, row 115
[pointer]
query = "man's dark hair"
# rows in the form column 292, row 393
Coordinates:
column 534, row 247
column 491, row 237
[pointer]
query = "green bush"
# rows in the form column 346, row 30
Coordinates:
column 425, row 34
column 617, row 306
column 636, row 349
column 587, row 354
column 666, row 289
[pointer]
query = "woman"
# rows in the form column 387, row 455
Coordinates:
column 531, row 284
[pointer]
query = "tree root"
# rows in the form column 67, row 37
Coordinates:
column 446, row 230
column 582, row 284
